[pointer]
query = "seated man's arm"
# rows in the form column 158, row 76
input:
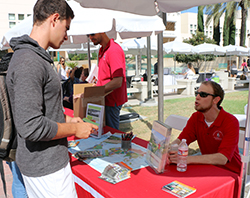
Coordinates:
column 113, row 84
column 214, row 159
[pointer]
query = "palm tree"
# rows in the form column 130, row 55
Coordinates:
column 215, row 11
column 200, row 19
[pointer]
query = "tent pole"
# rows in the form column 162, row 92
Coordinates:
column 160, row 77
column 160, row 70
column 89, row 59
column 245, row 159
column 149, row 68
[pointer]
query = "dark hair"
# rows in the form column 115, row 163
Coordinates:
column 61, row 58
column 45, row 8
column 218, row 91
column 86, row 72
column 244, row 60
column 78, row 72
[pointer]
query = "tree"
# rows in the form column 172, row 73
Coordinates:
column 231, row 36
column 216, row 34
column 196, row 39
column 225, row 31
column 200, row 19
column 244, row 4
column 229, row 8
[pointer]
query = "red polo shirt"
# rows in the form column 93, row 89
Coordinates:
column 221, row 137
column 112, row 64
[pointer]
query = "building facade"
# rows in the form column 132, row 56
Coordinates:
column 179, row 25
column 13, row 12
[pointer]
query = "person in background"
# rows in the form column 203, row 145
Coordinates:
column 244, row 67
column 68, row 100
column 74, row 77
column 62, row 69
column 233, row 69
column 36, row 103
column 190, row 71
column 112, row 75
column 216, row 131
column 248, row 61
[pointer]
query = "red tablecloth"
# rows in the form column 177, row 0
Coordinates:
column 210, row 181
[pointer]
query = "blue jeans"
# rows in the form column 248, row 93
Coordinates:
column 18, row 188
column 113, row 116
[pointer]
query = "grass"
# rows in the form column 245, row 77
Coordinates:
column 233, row 103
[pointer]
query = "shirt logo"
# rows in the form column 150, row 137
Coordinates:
column 218, row 135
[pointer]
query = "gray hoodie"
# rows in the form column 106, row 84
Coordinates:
column 35, row 96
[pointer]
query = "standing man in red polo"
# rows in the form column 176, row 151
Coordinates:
column 216, row 130
column 112, row 75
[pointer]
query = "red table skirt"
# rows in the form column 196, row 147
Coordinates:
column 209, row 181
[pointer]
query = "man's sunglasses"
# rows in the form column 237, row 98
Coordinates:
column 90, row 35
column 204, row 94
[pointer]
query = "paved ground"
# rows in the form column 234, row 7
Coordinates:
column 8, row 175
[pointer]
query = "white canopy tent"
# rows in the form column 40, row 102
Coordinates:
column 177, row 47
column 88, row 20
column 149, row 7
column 146, row 7
column 208, row 48
column 236, row 50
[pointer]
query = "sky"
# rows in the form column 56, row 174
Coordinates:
column 193, row 9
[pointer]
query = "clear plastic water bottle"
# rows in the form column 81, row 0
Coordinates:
column 182, row 156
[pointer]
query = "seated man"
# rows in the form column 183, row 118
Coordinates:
column 216, row 131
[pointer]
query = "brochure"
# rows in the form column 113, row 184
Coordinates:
column 157, row 150
column 94, row 115
column 93, row 74
column 178, row 189
column 114, row 173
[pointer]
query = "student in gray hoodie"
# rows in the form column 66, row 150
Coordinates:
column 36, row 101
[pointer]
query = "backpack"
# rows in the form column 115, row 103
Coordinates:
column 8, row 141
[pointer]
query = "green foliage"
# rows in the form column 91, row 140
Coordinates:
column 94, row 56
column 76, row 57
column 200, row 19
column 196, row 39
column 216, row 35
column 72, row 64
column 225, row 31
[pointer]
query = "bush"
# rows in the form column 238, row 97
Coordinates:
column 72, row 64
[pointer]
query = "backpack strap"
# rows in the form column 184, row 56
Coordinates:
column 3, row 177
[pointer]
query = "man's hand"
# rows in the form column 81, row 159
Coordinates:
column 69, row 119
column 173, row 157
column 84, row 130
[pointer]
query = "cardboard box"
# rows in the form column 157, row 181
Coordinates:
column 92, row 94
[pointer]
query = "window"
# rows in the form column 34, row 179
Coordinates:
column 220, row 29
column 191, row 31
column 195, row 31
column 210, row 27
column 191, row 26
column 195, row 27
column 20, row 17
column 210, row 33
column 28, row 15
column 207, row 33
column 11, row 24
column 12, row 16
